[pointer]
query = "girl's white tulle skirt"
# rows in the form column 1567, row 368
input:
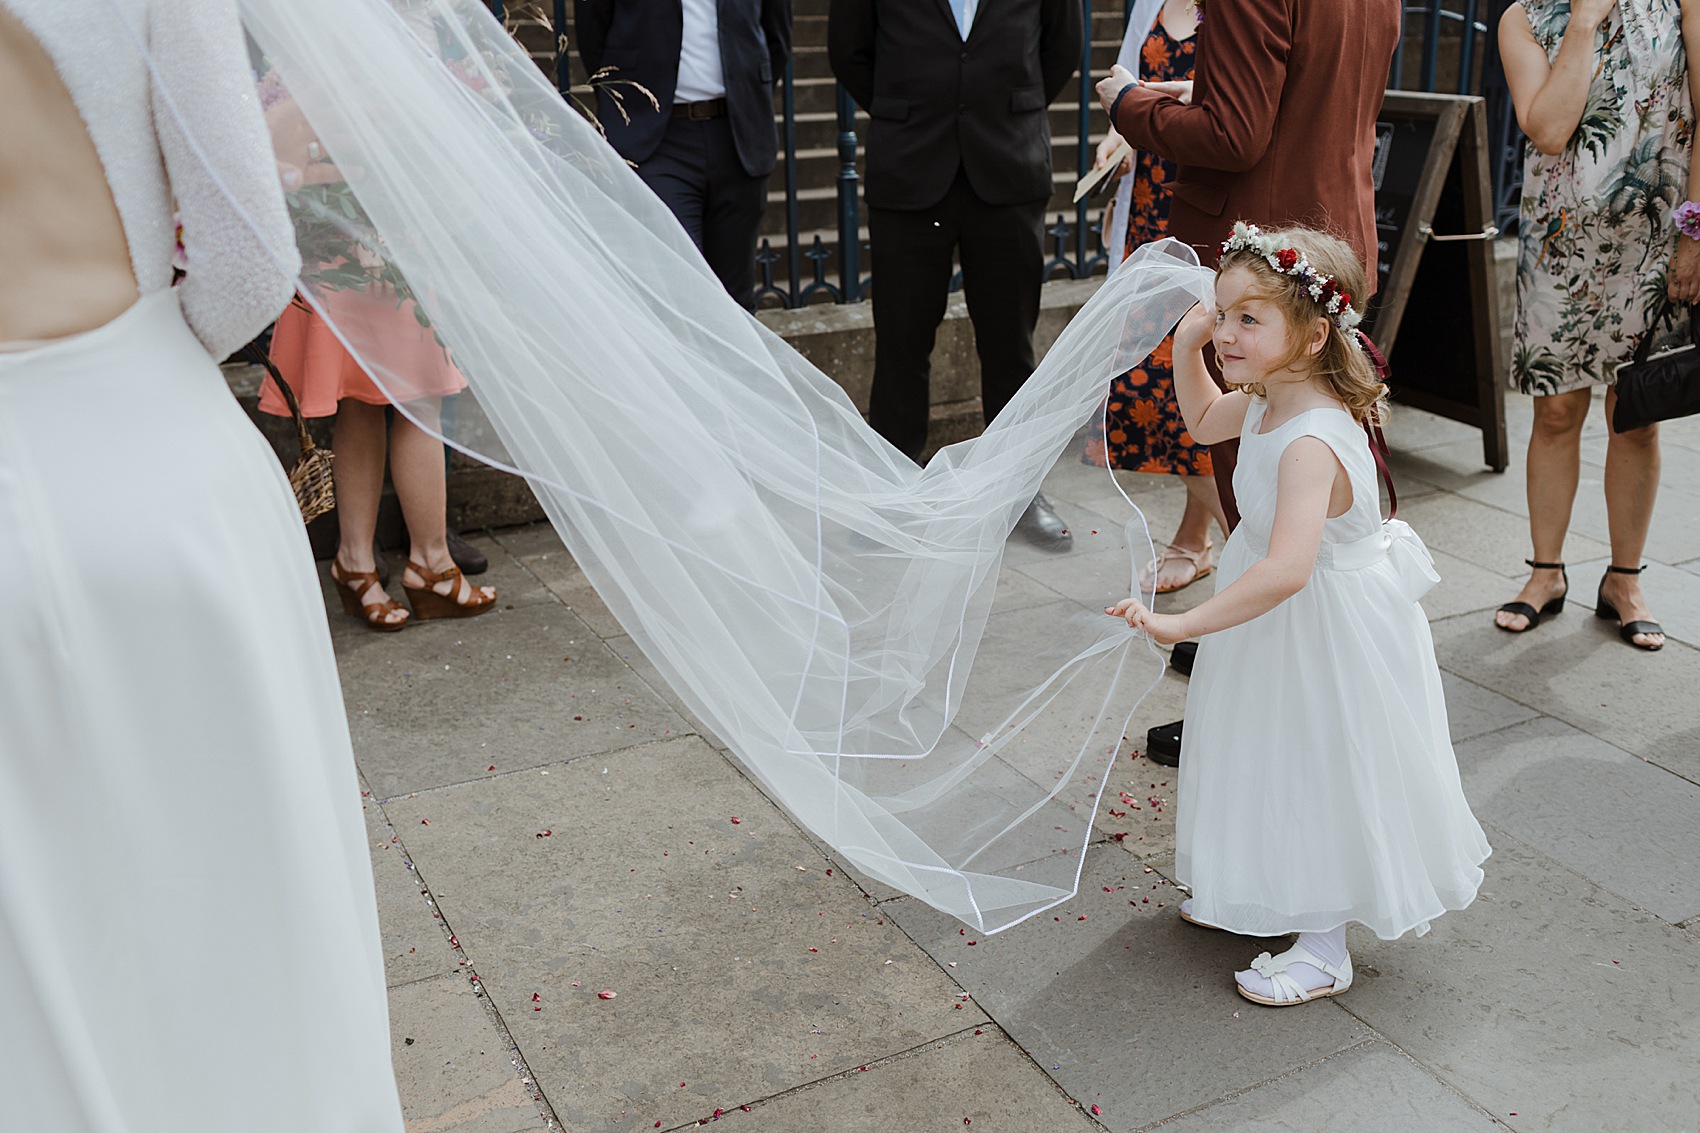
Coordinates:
column 1318, row 786
column 188, row 936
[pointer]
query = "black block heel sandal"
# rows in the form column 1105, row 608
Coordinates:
column 1626, row 630
column 1553, row 606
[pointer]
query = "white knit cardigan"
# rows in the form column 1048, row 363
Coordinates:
column 241, row 248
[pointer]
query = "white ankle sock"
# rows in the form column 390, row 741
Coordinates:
column 1329, row 947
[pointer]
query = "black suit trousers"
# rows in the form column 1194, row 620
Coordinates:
column 696, row 173
column 1002, row 248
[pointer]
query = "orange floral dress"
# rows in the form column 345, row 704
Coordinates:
column 1143, row 430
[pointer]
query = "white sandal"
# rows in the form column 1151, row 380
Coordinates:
column 1201, row 561
column 1186, row 915
column 1288, row 991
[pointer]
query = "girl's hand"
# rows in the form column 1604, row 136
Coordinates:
column 1164, row 629
column 1179, row 89
column 1683, row 284
column 1196, row 328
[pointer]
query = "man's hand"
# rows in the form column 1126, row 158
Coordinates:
column 1108, row 88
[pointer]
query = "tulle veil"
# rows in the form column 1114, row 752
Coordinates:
column 826, row 607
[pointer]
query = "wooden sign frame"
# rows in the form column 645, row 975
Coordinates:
column 1441, row 271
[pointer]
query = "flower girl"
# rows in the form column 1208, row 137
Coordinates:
column 1317, row 784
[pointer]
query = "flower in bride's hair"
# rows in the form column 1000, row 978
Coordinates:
column 1285, row 259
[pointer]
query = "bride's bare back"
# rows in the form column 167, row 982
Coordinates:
column 64, row 261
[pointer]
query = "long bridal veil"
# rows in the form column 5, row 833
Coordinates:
column 822, row 604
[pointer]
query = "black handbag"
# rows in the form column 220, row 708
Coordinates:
column 1656, row 386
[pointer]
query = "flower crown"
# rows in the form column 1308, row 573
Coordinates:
column 1323, row 288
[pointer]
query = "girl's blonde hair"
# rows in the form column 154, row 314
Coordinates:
column 1342, row 365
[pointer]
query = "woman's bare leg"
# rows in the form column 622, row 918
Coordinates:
column 1202, row 505
column 358, row 443
column 1632, row 483
column 1553, row 468
column 421, row 486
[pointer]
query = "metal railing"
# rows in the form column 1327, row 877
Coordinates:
column 1448, row 45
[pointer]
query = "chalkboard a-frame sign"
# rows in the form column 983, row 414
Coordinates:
column 1436, row 309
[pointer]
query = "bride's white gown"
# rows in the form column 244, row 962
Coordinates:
column 188, row 934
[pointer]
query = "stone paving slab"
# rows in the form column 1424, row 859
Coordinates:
column 1412, row 430
column 1549, row 998
column 1574, row 668
column 1495, row 540
column 1130, row 1007
column 415, row 946
column 627, row 650
column 453, row 1067
column 539, row 550
column 1673, row 536
column 1473, row 711
column 1626, row 824
column 977, row 1080
column 1369, row 1087
column 741, row 967
column 440, row 703
column 1670, row 592
column 1466, row 588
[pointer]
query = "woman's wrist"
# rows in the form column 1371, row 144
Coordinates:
column 1687, row 219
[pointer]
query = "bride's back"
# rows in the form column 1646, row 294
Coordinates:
column 66, row 260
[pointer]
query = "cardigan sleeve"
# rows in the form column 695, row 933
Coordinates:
column 1242, row 60
column 240, row 244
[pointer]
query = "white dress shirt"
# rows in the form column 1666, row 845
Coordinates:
column 700, row 75
column 965, row 18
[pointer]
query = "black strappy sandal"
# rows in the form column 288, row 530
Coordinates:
column 1553, row 606
column 1626, row 630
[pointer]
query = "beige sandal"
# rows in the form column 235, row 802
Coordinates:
column 1202, row 562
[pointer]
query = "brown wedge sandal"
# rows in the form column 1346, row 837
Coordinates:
column 428, row 603
column 353, row 586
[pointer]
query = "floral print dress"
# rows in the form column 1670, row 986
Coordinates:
column 1144, row 431
column 1596, row 234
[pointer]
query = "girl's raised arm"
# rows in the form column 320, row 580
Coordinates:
column 1551, row 96
column 1210, row 414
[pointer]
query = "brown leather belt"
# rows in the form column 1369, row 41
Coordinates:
column 700, row 111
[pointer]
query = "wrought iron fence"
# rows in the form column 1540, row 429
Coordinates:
column 1448, row 45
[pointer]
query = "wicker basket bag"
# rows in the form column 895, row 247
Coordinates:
column 310, row 477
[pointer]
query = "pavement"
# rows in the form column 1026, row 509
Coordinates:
column 549, row 825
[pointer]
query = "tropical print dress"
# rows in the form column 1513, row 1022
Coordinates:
column 1143, row 430
column 1596, row 232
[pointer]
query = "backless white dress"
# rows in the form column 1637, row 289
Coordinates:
column 188, row 933
column 1318, row 785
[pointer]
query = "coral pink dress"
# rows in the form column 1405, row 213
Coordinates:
column 322, row 372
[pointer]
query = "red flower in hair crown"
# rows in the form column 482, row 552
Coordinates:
column 1324, row 289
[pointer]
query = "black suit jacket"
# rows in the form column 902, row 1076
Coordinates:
column 643, row 38
column 938, row 104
